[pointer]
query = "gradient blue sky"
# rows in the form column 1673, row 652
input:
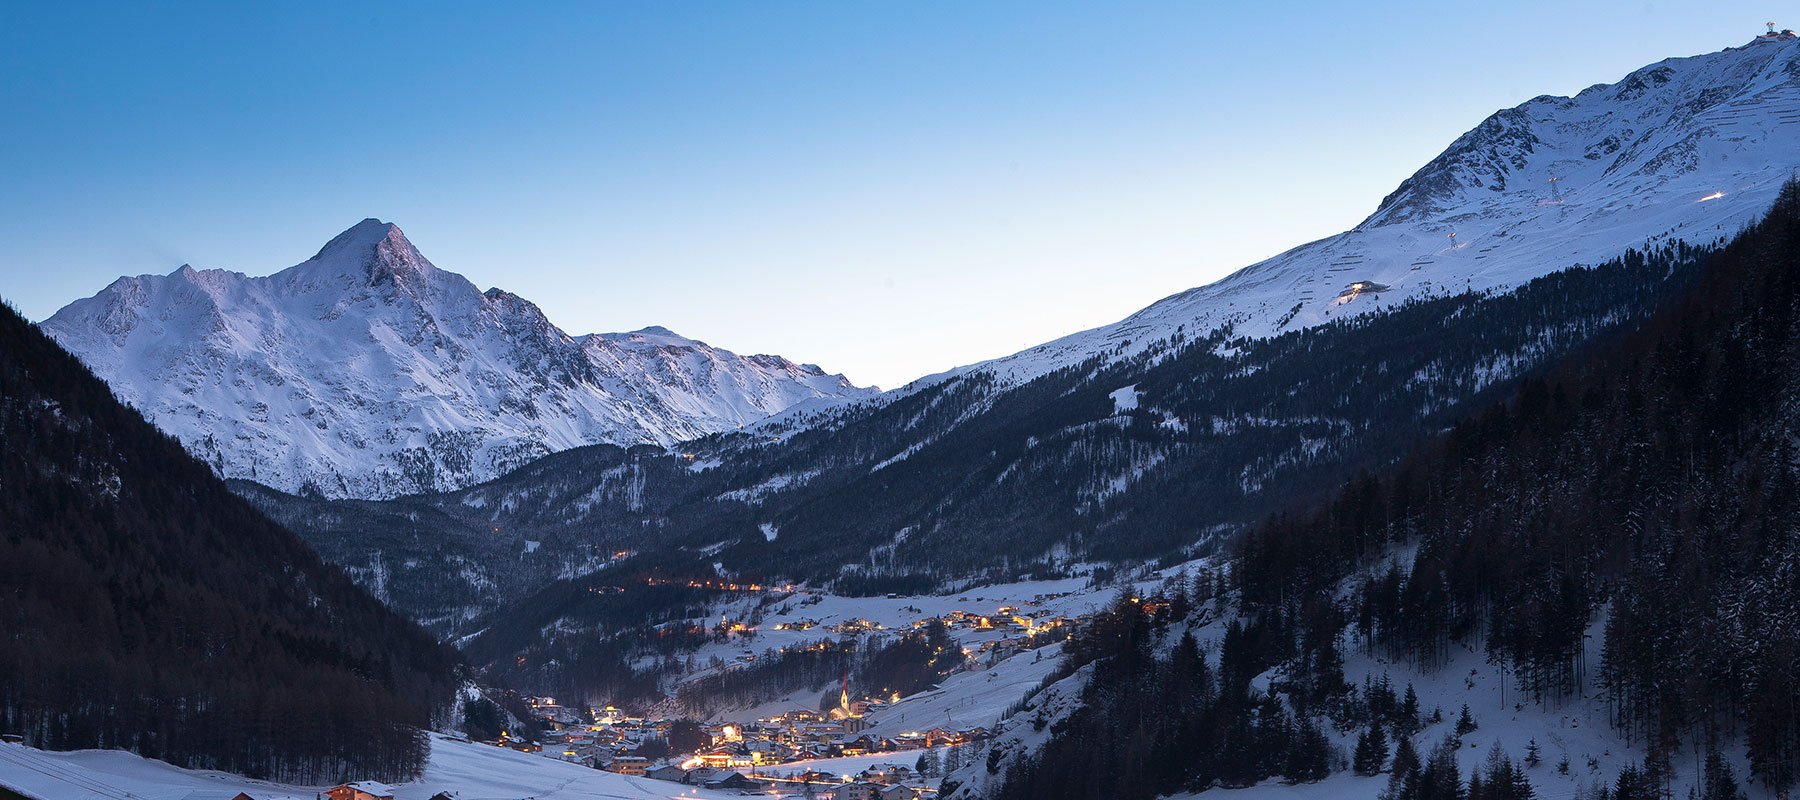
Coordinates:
column 887, row 189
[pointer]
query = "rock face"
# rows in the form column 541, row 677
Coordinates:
column 368, row 372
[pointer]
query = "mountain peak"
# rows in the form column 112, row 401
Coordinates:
column 366, row 371
column 376, row 251
column 361, row 237
column 1648, row 125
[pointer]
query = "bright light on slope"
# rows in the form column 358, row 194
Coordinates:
column 1713, row 196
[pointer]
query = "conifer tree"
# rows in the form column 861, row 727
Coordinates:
column 1403, row 779
column 1633, row 784
column 953, row 759
column 1465, row 724
column 1309, row 756
column 1409, row 712
column 1721, row 784
column 929, row 763
column 1441, row 779
column 1371, row 751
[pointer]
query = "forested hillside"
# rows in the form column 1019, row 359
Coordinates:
column 1655, row 481
column 1649, row 483
column 1140, row 458
column 143, row 606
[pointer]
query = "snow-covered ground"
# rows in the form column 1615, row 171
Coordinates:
column 846, row 767
column 969, row 699
column 473, row 771
column 1575, row 728
column 1578, row 747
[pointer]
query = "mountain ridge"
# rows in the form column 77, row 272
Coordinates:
column 367, row 371
column 1234, row 410
column 1636, row 145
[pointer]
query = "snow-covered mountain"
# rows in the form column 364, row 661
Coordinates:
column 1686, row 148
column 367, row 372
column 1171, row 431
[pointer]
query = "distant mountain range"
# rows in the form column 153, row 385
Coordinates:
column 368, row 372
column 1173, row 428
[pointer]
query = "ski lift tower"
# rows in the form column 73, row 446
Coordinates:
column 1556, row 189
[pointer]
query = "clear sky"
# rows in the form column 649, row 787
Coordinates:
column 887, row 189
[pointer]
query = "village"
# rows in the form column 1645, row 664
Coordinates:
column 860, row 749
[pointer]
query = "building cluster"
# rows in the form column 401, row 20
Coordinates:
column 1018, row 631
column 734, row 753
column 740, row 755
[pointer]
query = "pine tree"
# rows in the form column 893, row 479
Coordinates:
column 1533, row 756
column 1721, row 784
column 1465, row 724
column 1403, row 779
column 1441, row 779
column 929, row 763
column 1409, row 713
column 1309, row 756
column 1274, row 733
column 1521, row 785
column 1371, row 751
column 1633, row 785
column 1501, row 779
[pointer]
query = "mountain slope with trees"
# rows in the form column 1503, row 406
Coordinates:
column 145, row 607
column 1645, row 488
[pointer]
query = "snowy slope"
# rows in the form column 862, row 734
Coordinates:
column 368, row 372
column 1575, row 731
column 975, row 697
column 1687, row 148
column 472, row 771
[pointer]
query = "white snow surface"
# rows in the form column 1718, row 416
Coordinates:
column 1125, row 399
column 473, row 771
column 969, row 699
column 368, row 372
column 847, row 766
column 1635, row 164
